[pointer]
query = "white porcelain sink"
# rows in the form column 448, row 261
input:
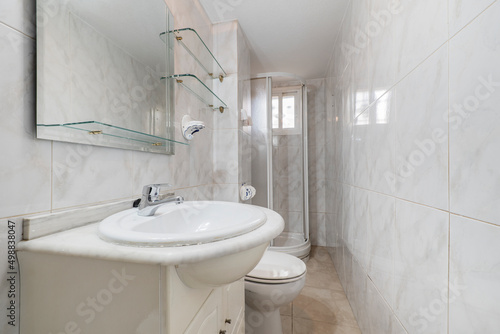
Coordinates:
column 189, row 223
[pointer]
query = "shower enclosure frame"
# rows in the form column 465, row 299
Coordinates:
column 305, row 246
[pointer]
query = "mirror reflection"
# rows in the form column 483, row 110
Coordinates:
column 100, row 69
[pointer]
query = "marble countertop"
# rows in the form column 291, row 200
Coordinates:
column 85, row 242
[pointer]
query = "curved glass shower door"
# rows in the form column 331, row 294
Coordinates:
column 279, row 159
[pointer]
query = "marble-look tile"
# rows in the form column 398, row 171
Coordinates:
column 152, row 168
column 201, row 155
column 25, row 171
column 316, row 116
column 381, row 48
column 422, row 134
column 331, row 230
column 420, row 28
column 323, row 279
column 357, row 292
column 359, row 226
column 397, row 327
column 317, row 162
column 304, row 326
column 322, row 305
column 474, row 276
column 380, row 243
column 85, row 174
column 226, row 156
column 199, row 193
column 289, row 194
column 348, row 165
column 337, row 254
column 19, row 15
column 286, row 324
column 290, row 161
column 361, row 59
column 226, row 192
column 421, row 267
column 293, row 221
column 317, row 195
column 226, row 45
column 462, row 12
column 190, row 14
column 180, row 168
column 474, row 100
column 317, row 226
column 378, row 313
column 374, row 145
column 244, row 82
column 53, row 77
column 348, row 207
column 228, row 92
column 244, row 157
column 319, row 256
column 286, row 310
column 104, row 76
column 346, row 276
column 413, row 61
column 287, row 140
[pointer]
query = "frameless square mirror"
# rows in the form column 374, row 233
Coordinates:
column 100, row 65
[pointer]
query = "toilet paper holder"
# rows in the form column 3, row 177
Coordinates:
column 247, row 192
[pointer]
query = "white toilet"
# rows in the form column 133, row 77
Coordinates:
column 276, row 280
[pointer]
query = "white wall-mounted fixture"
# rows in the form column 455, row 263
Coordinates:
column 247, row 192
column 190, row 126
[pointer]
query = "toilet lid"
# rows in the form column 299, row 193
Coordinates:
column 278, row 266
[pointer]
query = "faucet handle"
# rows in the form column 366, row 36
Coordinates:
column 152, row 191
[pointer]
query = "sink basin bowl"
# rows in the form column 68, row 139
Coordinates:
column 189, row 223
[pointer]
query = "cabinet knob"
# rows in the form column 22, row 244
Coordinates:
column 228, row 321
column 222, row 331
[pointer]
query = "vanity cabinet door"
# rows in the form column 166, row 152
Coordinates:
column 234, row 306
column 210, row 317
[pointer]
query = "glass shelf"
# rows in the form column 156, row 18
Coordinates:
column 190, row 40
column 196, row 87
column 101, row 134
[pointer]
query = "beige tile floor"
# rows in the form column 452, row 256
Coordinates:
column 322, row 307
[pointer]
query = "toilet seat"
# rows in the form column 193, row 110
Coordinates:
column 277, row 268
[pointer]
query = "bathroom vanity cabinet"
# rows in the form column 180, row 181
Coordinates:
column 74, row 282
column 71, row 295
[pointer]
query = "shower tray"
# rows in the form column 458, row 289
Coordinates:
column 292, row 243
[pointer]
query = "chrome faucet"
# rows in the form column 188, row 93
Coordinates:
column 151, row 198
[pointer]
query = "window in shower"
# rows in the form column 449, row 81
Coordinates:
column 286, row 110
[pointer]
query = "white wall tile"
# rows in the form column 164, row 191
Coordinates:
column 85, row 174
column 317, row 225
column 374, row 146
column 474, row 276
column 421, row 267
column 474, row 121
column 420, row 28
column 463, row 12
column 226, row 156
column 226, row 192
column 25, row 171
column 428, row 75
column 422, row 133
column 20, row 15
